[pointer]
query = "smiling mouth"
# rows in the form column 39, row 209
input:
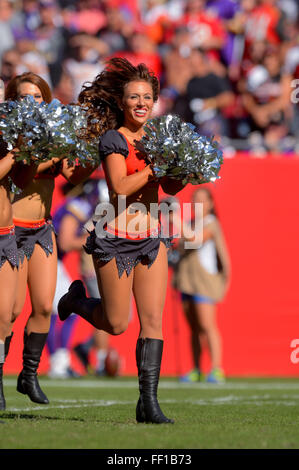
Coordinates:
column 140, row 112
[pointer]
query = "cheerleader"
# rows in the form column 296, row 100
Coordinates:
column 126, row 260
column 36, row 243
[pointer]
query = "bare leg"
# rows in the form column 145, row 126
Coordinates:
column 115, row 297
column 21, row 290
column 101, row 343
column 206, row 314
column 111, row 312
column 191, row 317
column 149, row 287
column 101, row 339
column 42, row 273
column 8, row 285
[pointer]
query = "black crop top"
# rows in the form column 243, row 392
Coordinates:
column 113, row 142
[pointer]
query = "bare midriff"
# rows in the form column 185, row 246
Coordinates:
column 130, row 216
column 5, row 206
column 35, row 201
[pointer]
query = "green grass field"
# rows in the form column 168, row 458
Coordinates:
column 92, row 413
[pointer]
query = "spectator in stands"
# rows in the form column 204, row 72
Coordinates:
column 257, row 20
column 116, row 30
column 263, row 22
column 291, row 68
column 32, row 60
column 64, row 91
column 142, row 50
column 10, row 65
column 178, row 58
column 267, row 100
column 84, row 61
column 87, row 17
column 158, row 17
column 27, row 19
column 50, row 38
column 67, row 43
column 129, row 8
column 226, row 11
column 207, row 31
column 6, row 19
column 255, row 56
column 207, row 94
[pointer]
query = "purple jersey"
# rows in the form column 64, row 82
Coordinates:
column 78, row 208
column 225, row 10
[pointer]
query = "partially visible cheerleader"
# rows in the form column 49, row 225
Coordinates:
column 9, row 257
column 35, row 237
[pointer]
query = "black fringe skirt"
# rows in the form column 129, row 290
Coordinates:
column 127, row 253
column 28, row 237
column 9, row 250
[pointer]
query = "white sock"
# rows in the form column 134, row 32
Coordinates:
column 101, row 356
column 60, row 361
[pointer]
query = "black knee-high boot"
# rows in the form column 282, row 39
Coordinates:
column 75, row 301
column 27, row 381
column 148, row 358
column 2, row 360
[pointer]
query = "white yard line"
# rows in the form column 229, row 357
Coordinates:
column 64, row 404
column 163, row 384
column 257, row 400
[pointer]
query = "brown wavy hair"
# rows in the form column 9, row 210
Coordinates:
column 101, row 98
column 11, row 92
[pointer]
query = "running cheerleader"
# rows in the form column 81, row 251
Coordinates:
column 36, row 243
column 126, row 258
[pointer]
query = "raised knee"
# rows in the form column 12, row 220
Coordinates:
column 117, row 328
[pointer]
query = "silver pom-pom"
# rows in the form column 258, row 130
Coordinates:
column 81, row 150
column 175, row 150
column 43, row 131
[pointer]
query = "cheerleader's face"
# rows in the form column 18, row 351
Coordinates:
column 137, row 103
column 27, row 88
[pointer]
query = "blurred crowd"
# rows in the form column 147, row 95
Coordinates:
column 230, row 67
